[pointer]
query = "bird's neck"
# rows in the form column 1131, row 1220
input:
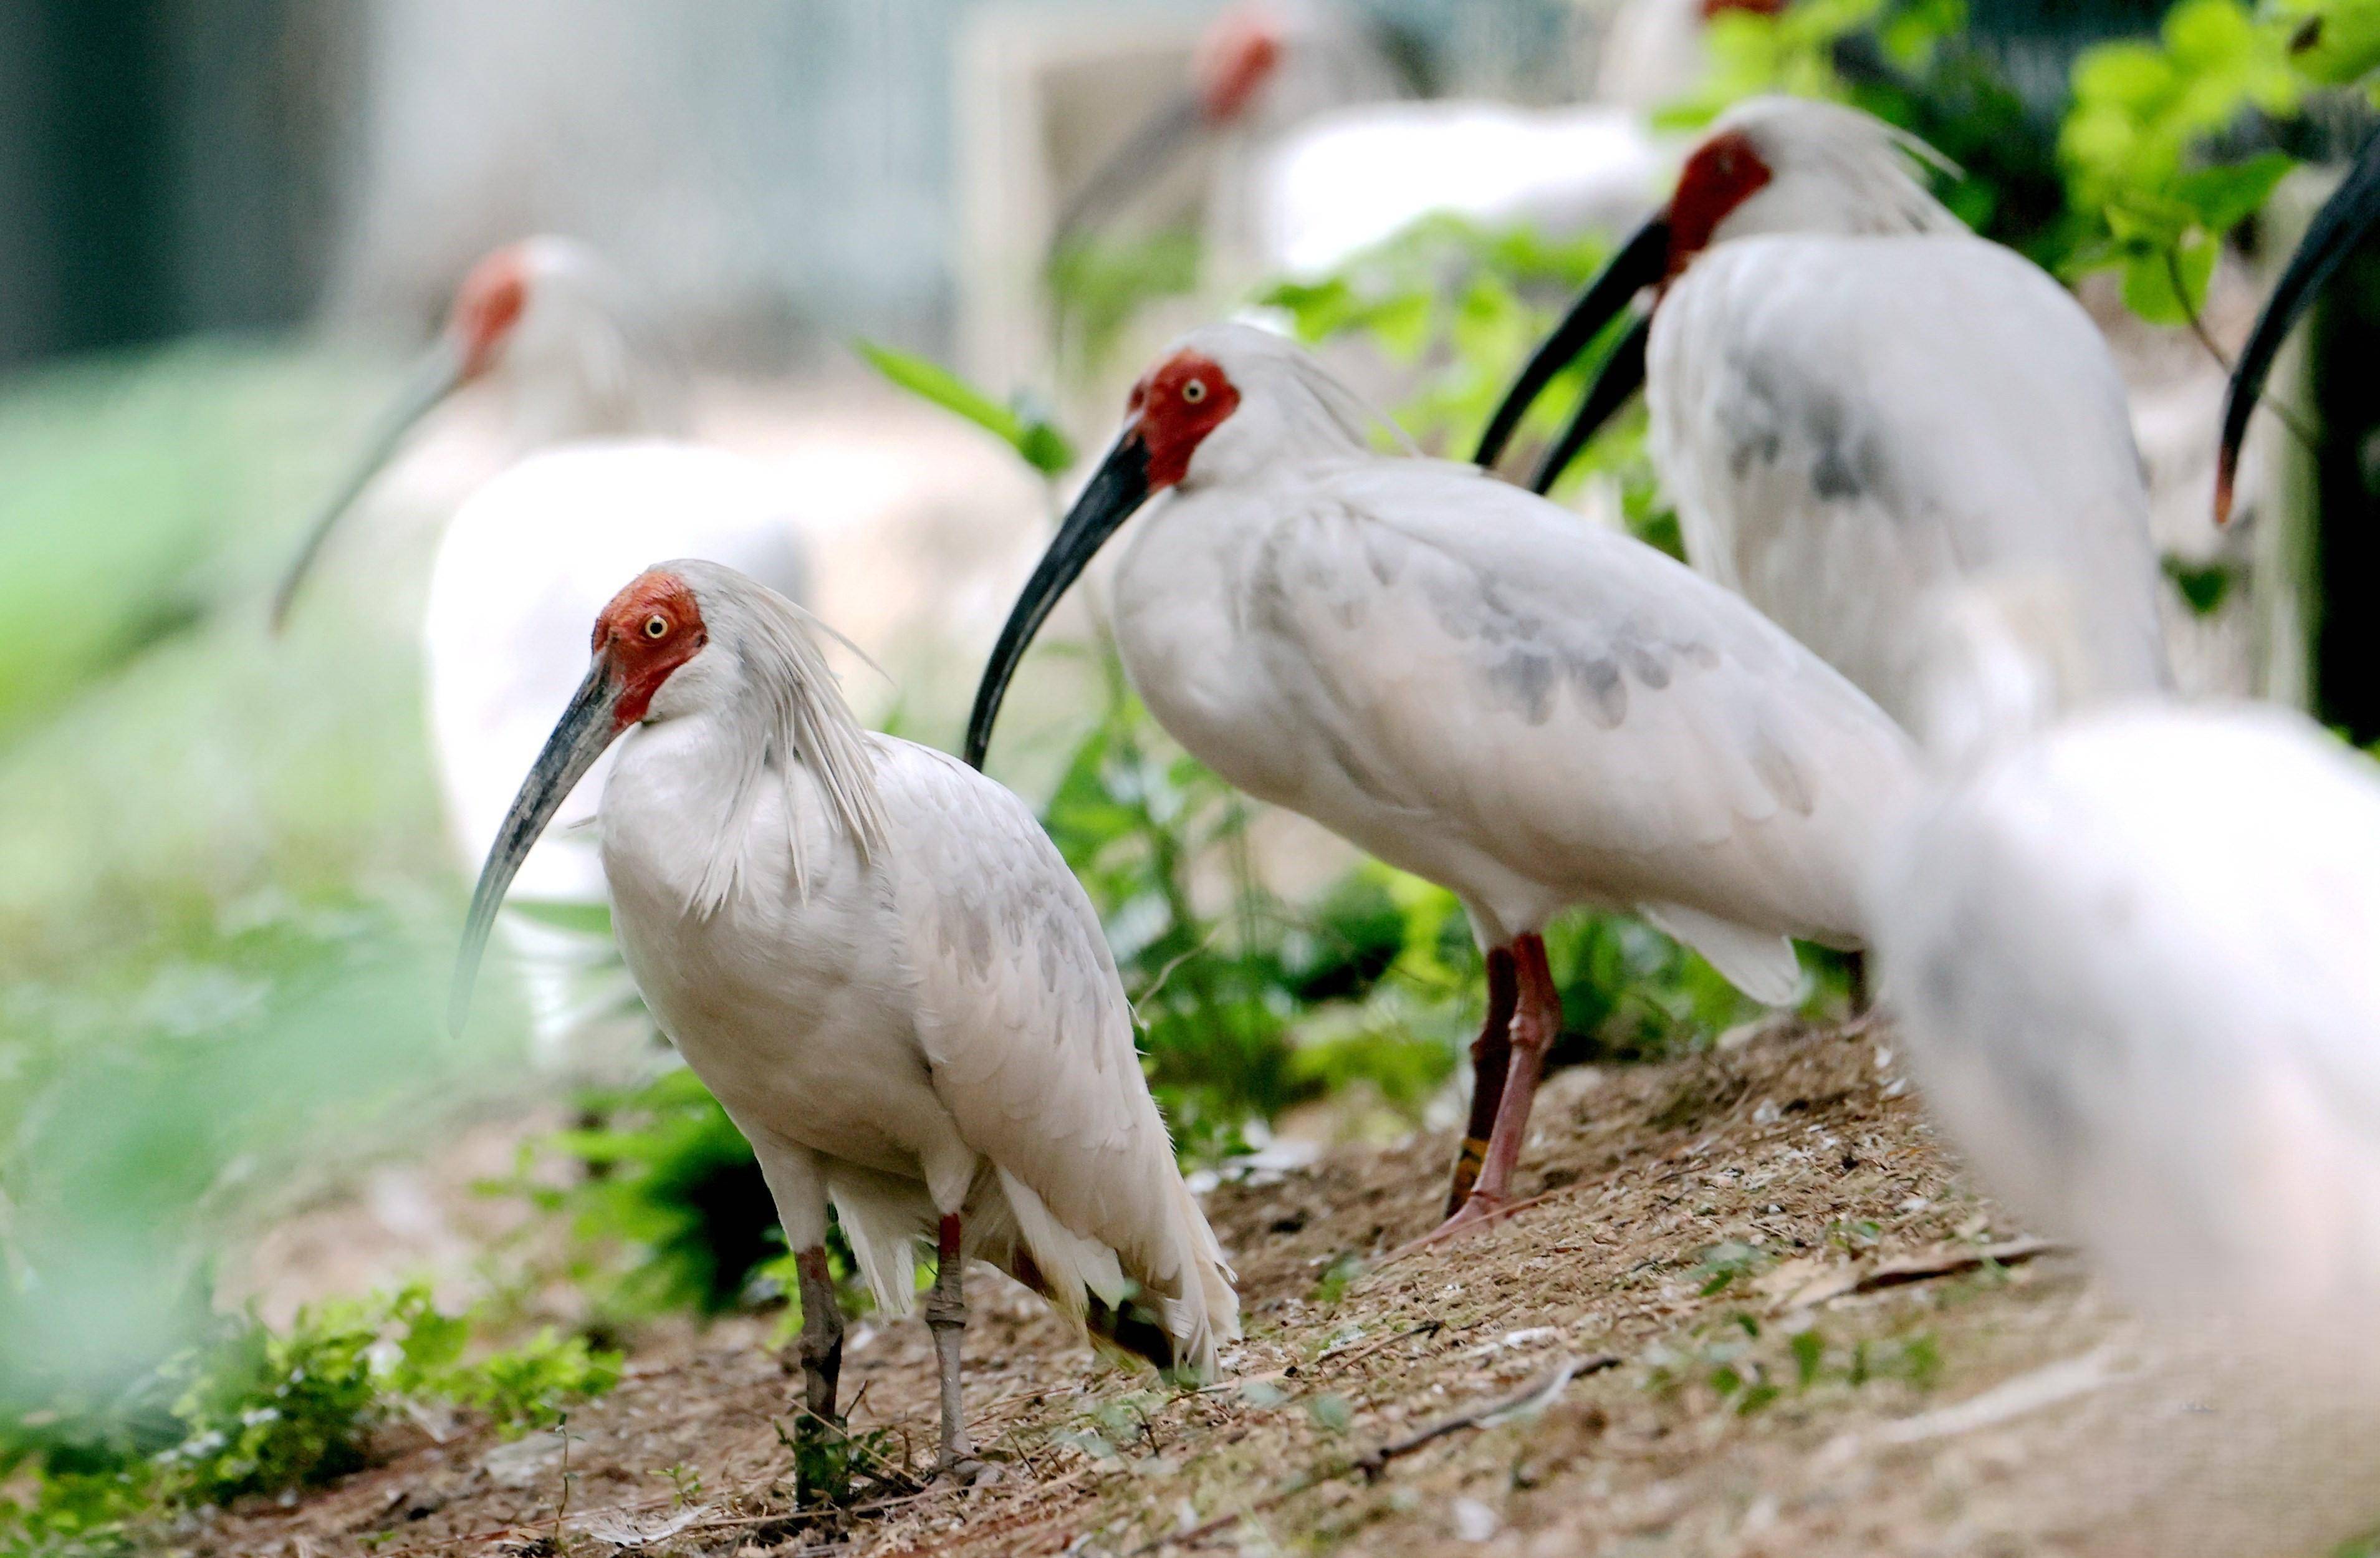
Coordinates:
column 592, row 380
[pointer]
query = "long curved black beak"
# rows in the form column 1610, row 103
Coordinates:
column 1130, row 168
column 436, row 376
column 1639, row 264
column 588, row 727
column 1116, row 491
column 1616, row 382
column 2345, row 220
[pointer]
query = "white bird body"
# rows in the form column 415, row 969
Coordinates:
column 1859, row 405
column 1477, row 686
column 885, row 971
column 943, row 1024
column 1536, row 713
column 1343, row 181
column 1851, row 424
column 2138, row 963
column 527, row 562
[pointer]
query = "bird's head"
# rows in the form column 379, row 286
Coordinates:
column 539, row 310
column 1224, row 404
column 1233, row 69
column 1237, row 55
column 647, row 652
column 683, row 639
column 1772, row 164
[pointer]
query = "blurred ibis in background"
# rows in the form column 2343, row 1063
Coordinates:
column 1857, row 404
column 531, row 557
column 882, row 966
column 2135, row 952
column 1467, row 681
column 1340, row 158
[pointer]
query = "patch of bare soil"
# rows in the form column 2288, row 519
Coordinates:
column 1755, row 1310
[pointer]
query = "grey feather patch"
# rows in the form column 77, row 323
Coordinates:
column 1779, row 774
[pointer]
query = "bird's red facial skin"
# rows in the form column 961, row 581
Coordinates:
column 1750, row 7
column 487, row 307
column 1724, row 173
column 1235, row 59
column 650, row 630
column 1181, row 401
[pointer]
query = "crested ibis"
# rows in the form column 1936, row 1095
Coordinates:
column 1857, row 404
column 2136, row 954
column 531, row 555
column 882, row 967
column 1341, row 158
column 1471, row 684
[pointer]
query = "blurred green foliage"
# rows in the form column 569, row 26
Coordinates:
column 254, row 1411
column 2162, row 149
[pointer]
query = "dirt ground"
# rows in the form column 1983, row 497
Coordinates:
column 1756, row 1310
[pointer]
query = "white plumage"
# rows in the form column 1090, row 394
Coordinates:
column 1858, row 405
column 2137, row 958
column 1848, row 425
column 883, row 969
column 1344, row 180
column 1470, row 682
column 531, row 555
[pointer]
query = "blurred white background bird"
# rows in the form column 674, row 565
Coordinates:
column 602, row 488
column 882, row 969
column 1471, row 684
column 2136, row 957
column 1857, row 404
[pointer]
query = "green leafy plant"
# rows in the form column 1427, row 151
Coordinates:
column 2134, row 146
column 255, row 1411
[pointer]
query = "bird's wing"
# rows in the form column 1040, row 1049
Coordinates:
column 2137, row 965
column 1025, row 1023
column 1844, row 423
column 1576, row 704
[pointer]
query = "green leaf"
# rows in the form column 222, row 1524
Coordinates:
column 2226, row 194
column 2168, row 286
column 1041, row 446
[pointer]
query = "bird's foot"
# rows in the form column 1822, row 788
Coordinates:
column 1476, row 1214
column 962, row 1468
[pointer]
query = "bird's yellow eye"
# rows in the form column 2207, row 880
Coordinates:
column 657, row 626
column 1194, row 391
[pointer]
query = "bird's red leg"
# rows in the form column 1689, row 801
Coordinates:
column 1491, row 1053
column 1537, row 1021
column 821, row 1342
column 946, row 1318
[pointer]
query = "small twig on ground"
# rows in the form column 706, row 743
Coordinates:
column 1373, row 1462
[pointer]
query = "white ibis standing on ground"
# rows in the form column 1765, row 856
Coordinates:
column 1858, row 404
column 2137, row 956
column 531, row 555
column 878, row 963
column 1476, row 687
column 2345, row 220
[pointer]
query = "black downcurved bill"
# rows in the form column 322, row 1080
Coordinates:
column 1639, row 264
column 588, row 727
column 1621, row 375
column 436, row 376
column 2344, row 221
column 1116, row 492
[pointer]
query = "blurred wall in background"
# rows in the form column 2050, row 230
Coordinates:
column 775, row 174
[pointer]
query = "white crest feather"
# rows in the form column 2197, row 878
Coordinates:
column 804, row 720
